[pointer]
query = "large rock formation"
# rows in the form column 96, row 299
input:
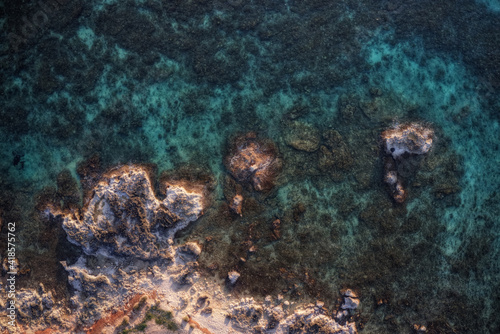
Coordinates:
column 254, row 161
column 410, row 138
column 124, row 215
column 126, row 233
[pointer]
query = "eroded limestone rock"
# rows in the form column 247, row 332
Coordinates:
column 409, row 138
column 314, row 320
column 401, row 144
column 124, row 215
column 254, row 161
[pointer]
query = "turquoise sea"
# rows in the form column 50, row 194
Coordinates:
column 172, row 83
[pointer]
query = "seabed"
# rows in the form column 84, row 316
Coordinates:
column 250, row 166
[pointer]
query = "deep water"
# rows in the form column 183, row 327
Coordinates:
column 171, row 83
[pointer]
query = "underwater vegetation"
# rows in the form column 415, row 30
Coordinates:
column 308, row 146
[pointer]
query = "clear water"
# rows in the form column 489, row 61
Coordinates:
column 171, row 84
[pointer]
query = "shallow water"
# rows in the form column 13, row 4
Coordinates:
column 173, row 83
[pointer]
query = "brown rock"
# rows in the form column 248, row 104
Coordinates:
column 276, row 229
column 236, row 204
column 254, row 161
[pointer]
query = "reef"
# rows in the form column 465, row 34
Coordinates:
column 124, row 215
column 254, row 161
column 402, row 143
column 126, row 233
column 132, row 277
column 170, row 82
column 278, row 316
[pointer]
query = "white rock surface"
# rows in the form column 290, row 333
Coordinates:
column 233, row 276
column 350, row 303
column 125, row 215
column 311, row 318
column 411, row 138
column 124, row 265
column 188, row 206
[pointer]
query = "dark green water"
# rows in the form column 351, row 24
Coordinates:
column 171, row 82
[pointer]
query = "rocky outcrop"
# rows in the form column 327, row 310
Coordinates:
column 313, row 319
column 124, row 215
column 249, row 315
column 410, row 138
column 126, row 233
column 254, row 161
column 38, row 307
column 401, row 144
column 237, row 204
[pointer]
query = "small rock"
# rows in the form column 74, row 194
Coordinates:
column 419, row 328
column 375, row 91
column 349, row 293
column 350, row 303
column 391, row 177
column 275, row 229
column 236, row 204
column 233, row 276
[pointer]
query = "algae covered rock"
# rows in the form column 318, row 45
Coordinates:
column 334, row 157
column 302, row 136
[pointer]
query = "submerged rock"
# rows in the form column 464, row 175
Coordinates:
column 401, row 144
column 419, row 328
column 335, row 155
column 236, row 204
column 254, row 161
column 303, row 137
